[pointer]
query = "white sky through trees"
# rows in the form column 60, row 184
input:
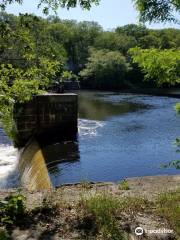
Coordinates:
column 109, row 14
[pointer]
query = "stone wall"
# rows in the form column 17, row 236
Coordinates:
column 47, row 116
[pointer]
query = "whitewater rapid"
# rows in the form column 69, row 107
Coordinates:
column 8, row 162
column 8, row 166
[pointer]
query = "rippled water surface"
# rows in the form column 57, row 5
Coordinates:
column 120, row 135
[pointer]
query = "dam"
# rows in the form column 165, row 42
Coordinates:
column 52, row 115
column 119, row 135
column 47, row 119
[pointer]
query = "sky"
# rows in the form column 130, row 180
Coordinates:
column 109, row 14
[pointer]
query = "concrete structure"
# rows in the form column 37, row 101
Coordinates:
column 48, row 116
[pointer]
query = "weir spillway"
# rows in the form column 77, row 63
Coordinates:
column 32, row 168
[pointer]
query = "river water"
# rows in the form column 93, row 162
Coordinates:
column 120, row 135
column 8, row 162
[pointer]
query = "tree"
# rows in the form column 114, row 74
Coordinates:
column 162, row 66
column 114, row 42
column 133, row 30
column 150, row 10
column 157, row 10
column 105, row 69
column 26, row 67
column 54, row 4
column 149, row 41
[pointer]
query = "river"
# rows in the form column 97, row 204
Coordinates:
column 120, row 135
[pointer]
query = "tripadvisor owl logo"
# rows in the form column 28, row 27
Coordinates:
column 139, row 231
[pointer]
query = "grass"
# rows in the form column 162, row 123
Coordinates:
column 133, row 205
column 124, row 185
column 97, row 216
column 106, row 212
column 103, row 210
column 168, row 207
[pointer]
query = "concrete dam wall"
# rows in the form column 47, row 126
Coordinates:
column 47, row 116
column 47, row 119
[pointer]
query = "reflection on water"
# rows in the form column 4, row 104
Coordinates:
column 97, row 107
column 66, row 153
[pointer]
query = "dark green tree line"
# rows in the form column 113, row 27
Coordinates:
column 34, row 51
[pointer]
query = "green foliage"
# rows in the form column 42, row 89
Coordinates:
column 150, row 10
column 105, row 69
column 104, row 209
column 19, row 86
column 161, row 66
column 4, row 3
column 68, row 76
column 177, row 107
column 75, row 38
column 27, row 68
column 54, row 4
column 12, row 209
column 124, row 185
column 36, row 52
column 4, row 235
column 133, row 30
column 115, row 42
column 174, row 164
column 157, row 10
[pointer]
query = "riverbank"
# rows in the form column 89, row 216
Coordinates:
column 72, row 212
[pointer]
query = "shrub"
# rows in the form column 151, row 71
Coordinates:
column 124, row 185
column 12, row 209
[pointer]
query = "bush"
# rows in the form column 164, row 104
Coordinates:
column 12, row 209
column 124, row 185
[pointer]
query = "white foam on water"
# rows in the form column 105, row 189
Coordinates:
column 8, row 166
column 89, row 127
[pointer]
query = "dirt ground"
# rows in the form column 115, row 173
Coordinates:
column 64, row 223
